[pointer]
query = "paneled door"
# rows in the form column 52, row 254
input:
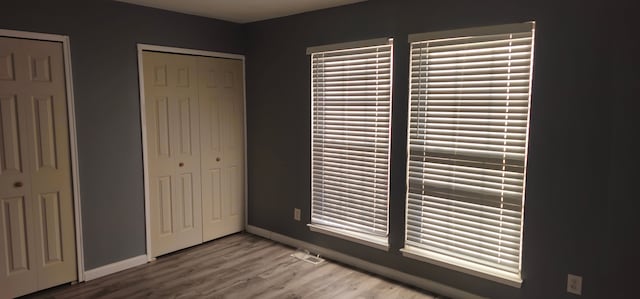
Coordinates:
column 173, row 151
column 194, row 111
column 37, row 247
column 221, row 94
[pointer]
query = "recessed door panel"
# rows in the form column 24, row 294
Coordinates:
column 160, row 75
column 51, row 227
column 10, row 158
column 166, row 210
column 227, row 125
column 228, row 79
column 212, row 77
column 235, row 199
column 6, row 65
column 185, row 201
column 45, row 141
column 40, row 68
column 162, row 126
column 184, row 107
column 213, row 125
column 183, row 77
column 14, row 218
column 212, row 197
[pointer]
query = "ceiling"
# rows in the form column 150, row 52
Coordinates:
column 241, row 11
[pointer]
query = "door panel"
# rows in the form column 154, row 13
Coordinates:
column 222, row 123
column 173, row 151
column 35, row 163
column 195, row 134
column 18, row 274
column 48, row 129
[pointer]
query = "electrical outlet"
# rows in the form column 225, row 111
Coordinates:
column 574, row 284
column 296, row 214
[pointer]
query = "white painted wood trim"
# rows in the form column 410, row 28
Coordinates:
column 75, row 170
column 509, row 279
column 115, row 267
column 417, row 281
column 145, row 159
column 34, row 35
column 147, row 47
column 381, row 243
column 246, row 168
column 143, row 125
column 73, row 138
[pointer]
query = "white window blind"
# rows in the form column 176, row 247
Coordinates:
column 468, row 128
column 351, row 122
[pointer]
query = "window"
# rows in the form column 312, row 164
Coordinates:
column 467, row 148
column 351, row 123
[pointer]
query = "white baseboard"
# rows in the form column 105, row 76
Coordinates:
column 115, row 267
column 420, row 282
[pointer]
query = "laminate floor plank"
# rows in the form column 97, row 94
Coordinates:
column 237, row 266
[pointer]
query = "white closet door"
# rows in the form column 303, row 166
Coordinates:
column 37, row 247
column 173, row 152
column 221, row 93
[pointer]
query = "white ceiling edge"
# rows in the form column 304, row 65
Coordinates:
column 241, row 11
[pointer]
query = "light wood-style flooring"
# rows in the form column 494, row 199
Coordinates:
column 237, row 266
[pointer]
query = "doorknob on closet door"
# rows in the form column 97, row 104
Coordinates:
column 180, row 164
column 217, row 159
column 17, row 184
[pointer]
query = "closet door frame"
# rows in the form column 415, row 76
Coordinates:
column 143, row 123
column 73, row 140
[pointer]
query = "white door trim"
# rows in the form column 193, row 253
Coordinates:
column 73, row 141
column 143, row 124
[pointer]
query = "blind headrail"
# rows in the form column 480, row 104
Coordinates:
column 485, row 30
column 350, row 45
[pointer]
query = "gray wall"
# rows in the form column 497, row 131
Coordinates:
column 580, row 202
column 103, row 38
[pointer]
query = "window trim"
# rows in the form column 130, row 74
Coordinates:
column 463, row 266
column 356, row 237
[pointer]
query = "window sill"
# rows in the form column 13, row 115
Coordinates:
column 498, row 276
column 381, row 243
